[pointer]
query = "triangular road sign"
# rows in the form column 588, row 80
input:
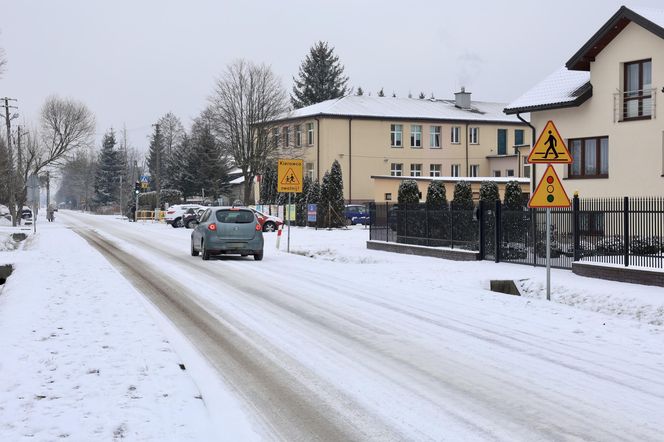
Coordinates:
column 550, row 147
column 290, row 177
column 549, row 192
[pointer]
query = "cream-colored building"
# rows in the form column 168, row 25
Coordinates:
column 607, row 104
column 405, row 137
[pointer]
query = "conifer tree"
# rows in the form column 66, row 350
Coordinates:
column 359, row 92
column 213, row 166
column 463, row 196
column 321, row 77
column 489, row 193
column 381, row 93
column 409, row 193
column 436, row 196
column 156, row 154
column 514, row 197
column 301, row 203
column 336, row 196
column 322, row 217
column 268, row 186
column 313, row 196
column 107, row 177
column 422, row 96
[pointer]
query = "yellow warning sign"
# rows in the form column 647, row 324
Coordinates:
column 289, row 174
column 550, row 147
column 549, row 192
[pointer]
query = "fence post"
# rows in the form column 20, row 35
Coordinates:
column 533, row 225
column 575, row 228
column 497, row 230
column 426, row 213
column 387, row 221
column 626, row 231
column 480, row 220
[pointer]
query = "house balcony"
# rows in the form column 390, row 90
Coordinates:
column 634, row 105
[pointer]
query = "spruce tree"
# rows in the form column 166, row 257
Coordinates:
column 301, row 203
column 514, row 196
column 321, row 77
column 268, row 186
column 313, row 196
column 107, row 177
column 422, row 96
column 381, row 93
column 322, row 217
column 436, row 196
column 213, row 166
column 156, row 154
column 359, row 92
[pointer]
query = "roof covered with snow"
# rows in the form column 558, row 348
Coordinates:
column 402, row 108
column 563, row 88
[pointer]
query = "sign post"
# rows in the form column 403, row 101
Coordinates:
column 549, row 148
column 289, row 173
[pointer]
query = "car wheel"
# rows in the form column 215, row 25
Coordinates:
column 178, row 223
column 258, row 256
column 205, row 252
column 194, row 252
column 187, row 225
column 269, row 226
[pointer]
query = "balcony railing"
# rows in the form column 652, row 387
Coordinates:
column 634, row 105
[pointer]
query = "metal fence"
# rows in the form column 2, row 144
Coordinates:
column 621, row 231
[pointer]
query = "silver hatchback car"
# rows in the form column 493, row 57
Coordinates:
column 227, row 230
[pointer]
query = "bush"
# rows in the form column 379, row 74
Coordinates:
column 612, row 245
column 645, row 245
column 436, row 197
column 463, row 196
column 489, row 193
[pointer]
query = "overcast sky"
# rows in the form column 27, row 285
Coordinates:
column 131, row 61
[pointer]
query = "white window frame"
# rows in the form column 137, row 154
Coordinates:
column 454, row 135
column 298, row 135
column 474, row 171
column 396, row 169
column 455, row 170
column 416, row 169
column 396, row 135
column 275, row 137
column 309, row 170
column 310, row 134
column 473, row 135
column 435, row 170
column 526, row 170
column 434, row 137
column 286, row 136
column 509, row 172
column 416, row 136
column 497, row 173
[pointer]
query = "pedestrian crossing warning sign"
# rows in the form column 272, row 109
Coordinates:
column 549, row 192
column 550, row 147
column 289, row 174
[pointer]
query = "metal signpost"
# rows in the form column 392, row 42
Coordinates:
column 33, row 197
column 289, row 173
column 549, row 191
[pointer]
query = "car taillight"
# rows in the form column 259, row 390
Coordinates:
column 258, row 227
column 213, row 227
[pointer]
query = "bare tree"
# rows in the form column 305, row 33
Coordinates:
column 66, row 125
column 3, row 61
column 246, row 99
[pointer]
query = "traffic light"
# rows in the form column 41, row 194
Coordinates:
column 137, row 187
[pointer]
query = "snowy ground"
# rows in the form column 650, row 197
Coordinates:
column 86, row 358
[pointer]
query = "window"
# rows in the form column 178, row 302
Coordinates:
column 396, row 135
column 415, row 135
column 310, row 134
column 309, row 170
column 474, row 170
column 286, row 135
column 518, row 137
column 454, row 135
column 591, row 158
column 275, row 136
column 434, row 137
column 509, row 172
column 496, row 173
column 474, row 135
column 434, row 169
column 415, row 170
column 298, row 135
column 526, row 170
column 591, row 223
column 638, row 90
column 396, row 169
column 502, row 141
column 388, row 197
column 454, row 171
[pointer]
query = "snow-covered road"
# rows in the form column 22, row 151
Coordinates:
column 375, row 346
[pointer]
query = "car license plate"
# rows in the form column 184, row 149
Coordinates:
column 235, row 245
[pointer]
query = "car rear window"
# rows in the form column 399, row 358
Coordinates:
column 235, row 216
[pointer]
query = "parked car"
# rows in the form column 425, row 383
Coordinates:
column 356, row 214
column 174, row 214
column 191, row 217
column 269, row 223
column 227, row 230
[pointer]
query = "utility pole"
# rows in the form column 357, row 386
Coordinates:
column 157, row 143
column 11, row 175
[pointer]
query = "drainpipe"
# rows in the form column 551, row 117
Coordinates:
column 350, row 163
column 467, row 166
column 317, row 150
column 532, row 145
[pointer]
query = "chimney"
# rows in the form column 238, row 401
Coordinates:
column 462, row 99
